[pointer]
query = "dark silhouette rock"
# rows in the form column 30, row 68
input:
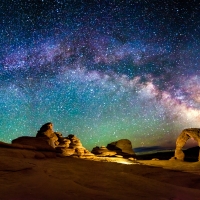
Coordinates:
column 182, row 139
column 16, row 151
column 122, row 147
column 16, row 146
column 26, row 151
column 39, row 143
column 103, row 151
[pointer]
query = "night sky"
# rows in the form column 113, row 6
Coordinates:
column 102, row 70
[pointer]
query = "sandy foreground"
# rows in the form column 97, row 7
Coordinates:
column 73, row 178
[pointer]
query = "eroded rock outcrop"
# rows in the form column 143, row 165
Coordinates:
column 122, row 147
column 46, row 131
column 45, row 140
column 71, row 145
column 182, row 139
column 48, row 140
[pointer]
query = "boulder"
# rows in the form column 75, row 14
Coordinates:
column 132, row 159
column 186, row 134
column 122, row 147
column 118, row 156
column 154, row 159
column 103, row 151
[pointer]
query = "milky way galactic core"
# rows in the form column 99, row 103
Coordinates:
column 102, row 70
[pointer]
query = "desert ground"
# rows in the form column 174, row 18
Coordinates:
column 27, row 177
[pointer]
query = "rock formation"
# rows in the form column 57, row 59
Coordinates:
column 40, row 144
column 45, row 140
column 103, row 151
column 122, row 147
column 71, row 145
column 182, row 139
column 48, row 140
column 46, row 131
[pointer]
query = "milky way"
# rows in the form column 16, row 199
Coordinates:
column 103, row 70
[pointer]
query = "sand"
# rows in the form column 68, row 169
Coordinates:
column 74, row 178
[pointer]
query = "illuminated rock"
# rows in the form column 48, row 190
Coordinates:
column 154, row 159
column 67, row 151
column 62, row 141
column 122, row 147
column 182, row 139
column 132, row 159
column 71, row 145
column 48, row 140
column 47, row 131
column 118, row 156
column 75, row 142
column 103, row 151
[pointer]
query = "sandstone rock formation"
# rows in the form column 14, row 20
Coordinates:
column 46, row 131
column 182, row 139
column 122, row 147
column 48, row 140
column 71, row 145
column 103, row 151
column 67, row 146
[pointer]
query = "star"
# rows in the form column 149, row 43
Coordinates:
column 100, row 70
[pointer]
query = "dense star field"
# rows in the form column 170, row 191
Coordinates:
column 102, row 70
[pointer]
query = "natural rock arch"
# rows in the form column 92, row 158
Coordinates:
column 182, row 139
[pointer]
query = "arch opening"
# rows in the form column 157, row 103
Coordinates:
column 191, row 150
column 192, row 154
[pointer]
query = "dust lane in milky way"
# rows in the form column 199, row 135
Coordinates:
column 103, row 70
